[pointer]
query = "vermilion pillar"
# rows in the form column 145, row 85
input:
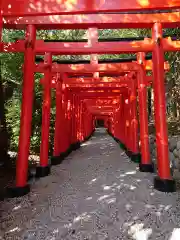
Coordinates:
column 146, row 163
column 81, row 121
column 110, row 124
column 134, row 122
column 116, row 130
column 77, row 105
column 44, row 168
column 128, row 129
column 122, row 122
column 58, row 119
column 0, row 32
column 70, row 119
column 78, row 120
column 164, row 181
column 127, row 120
column 73, row 119
column 59, row 132
column 22, row 187
column 66, row 134
column 94, row 123
column 115, row 124
column 67, row 122
column 75, row 144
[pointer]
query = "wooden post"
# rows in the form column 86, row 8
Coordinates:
column 44, row 168
column 22, row 187
column 164, row 181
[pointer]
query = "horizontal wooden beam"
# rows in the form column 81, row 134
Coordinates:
column 98, row 102
column 88, row 80
column 103, row 67
column 82, row 82
column 44, row 7
column 101, row 107
column 97, row 88
column 88, row 68
column 101, row 21
column 99, row 95
column 106, row 60
column 90, row 75
column 82, row 87
column 62, row 48
column 96, row 112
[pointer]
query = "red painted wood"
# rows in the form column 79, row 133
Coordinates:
column 133, row 117
column 60, row 133
column 87, row 68
column 160, row 106
column 108, row 68
column 43, row 7
column 101, row 21
column 97, row 88
column 26, row 110
column 58, row 48
column 143, row 114
column 46, row 111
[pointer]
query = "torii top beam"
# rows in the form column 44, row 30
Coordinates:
column 101, row 21
column 58, row 7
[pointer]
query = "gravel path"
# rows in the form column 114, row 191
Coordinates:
column 95, row 194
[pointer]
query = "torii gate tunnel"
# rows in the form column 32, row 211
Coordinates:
column 115, row 91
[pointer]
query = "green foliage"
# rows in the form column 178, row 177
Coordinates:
column 13, row 120
column 12, row 79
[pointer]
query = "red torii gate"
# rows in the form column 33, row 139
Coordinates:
column 14, row 15
column 88, row 68
column 145, row 155
column 84, row 48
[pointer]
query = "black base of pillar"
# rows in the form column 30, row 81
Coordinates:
column 129, row 153
column 69, row 151
column 72, row 146
column 87, row 138
column 42, row 171
column 75, row 146
column 78, row 145
column 13, row 192
column 136, row 157
column 116, row 139
column 56, row 160
column 164, row 185
column 146, row 167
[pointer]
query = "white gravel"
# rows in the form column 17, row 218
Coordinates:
column 95, row 194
